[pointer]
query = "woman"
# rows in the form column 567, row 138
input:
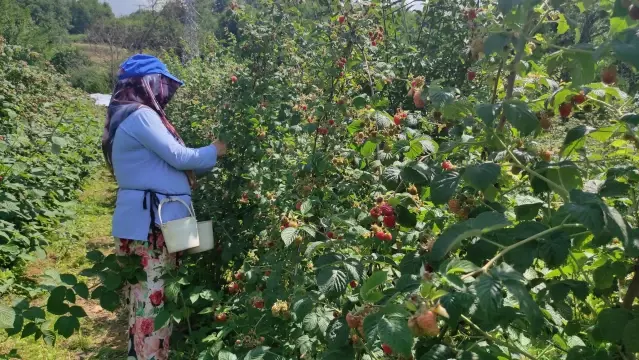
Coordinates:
column 150, row 162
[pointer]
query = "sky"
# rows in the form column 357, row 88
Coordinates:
column 125, row 7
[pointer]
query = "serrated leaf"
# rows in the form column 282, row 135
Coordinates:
column 575, row 138
column 612, row 322
column 368, row 149
column 360, row 101
column 82, row 290
column 55, row 303
column 161, row 319
column 367, row 291
column 7, row 317
column 306, row 207
column 393, row 331
column 444, row 186
column 109, row 300
column 526, row 304
column 483, row 175
column 521, row 117
column 487, row 113
column 489, row 296
column 496, row 42
column 304, row 344
column 77, row 311
column 337, row 333
column 438, row 352
column 226, row 355
column 456, row 266
column 67, row 325
column 331, row 281
column 288, row 235
column 309, row 323
column 631, row 336
column 453, row 235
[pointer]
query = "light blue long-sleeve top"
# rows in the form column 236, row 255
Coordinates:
column 146, row 157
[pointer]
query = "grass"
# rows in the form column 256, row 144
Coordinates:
column 103, row 333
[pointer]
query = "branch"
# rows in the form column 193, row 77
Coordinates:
column 497, row 341
column 507, row 249
column 633, row 290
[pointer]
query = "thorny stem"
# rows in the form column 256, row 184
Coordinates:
column 507, row 249
column 500, row 342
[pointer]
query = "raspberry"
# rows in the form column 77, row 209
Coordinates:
column 447, row 165
column 387, row 210
column 353, row 284
column 389, row 221
column 428, row 323
column 579, row 98
column 387, row 349
column 565, row 109
column 471, row 75
column 353, row 321
column 380, row 235
column 454, row 206
column 417, row 99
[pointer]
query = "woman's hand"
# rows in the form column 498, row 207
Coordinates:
column 220, row 147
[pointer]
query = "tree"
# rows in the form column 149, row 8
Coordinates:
column 87, row 12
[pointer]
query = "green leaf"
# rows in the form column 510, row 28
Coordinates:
column 496, row 42
column 393, row 330
column 526, row 304
column 288, row 235
column 304, row 344
column 161, row 319
column 453, row 235
column 406, row 218
column 360, row 101
column 82, row 290
column 368, row 290
column 226, row 355
column 554, row 250
column 95, row 256
column 331, row 281
column 527, row 207
column 309, row 323
column 34, row 313
column 77, row 311
column 487, row 113
column 438, row 352
column 440, row 96
column 483, row 175
column 307, row 206
column 55, row 303
column 489, row 295
column 521, row 117
column 562, row 25
column 337, row 333
column 112, row 280
column 612, row 322
column 66, row 326
column 456, row 266
column 68, row 279
column 7, row 317
column 603, row 277
column 631, row 336
column 416, row 173
column 368, row 149
column 109, row 300
column 575, row 138
column 444, row 186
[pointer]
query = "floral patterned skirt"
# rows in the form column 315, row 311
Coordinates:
column 145, row 300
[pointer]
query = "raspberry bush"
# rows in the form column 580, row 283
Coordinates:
column 456, row 182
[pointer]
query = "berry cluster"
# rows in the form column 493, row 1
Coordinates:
column 376, row 36
column 399, row 116
column 280, row 309
column 387, row 213
column 340, row 63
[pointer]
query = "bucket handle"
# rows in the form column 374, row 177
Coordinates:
column 171, row 199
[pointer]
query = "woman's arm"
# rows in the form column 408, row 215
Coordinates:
column 146, row 127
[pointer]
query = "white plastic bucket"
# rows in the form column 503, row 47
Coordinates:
column 180, row 234
column 207, row 242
